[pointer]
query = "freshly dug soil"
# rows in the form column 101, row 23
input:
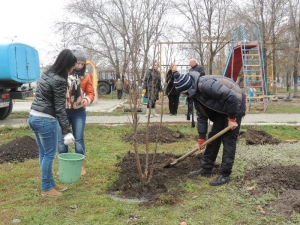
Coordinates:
column 18, row 150
column 258, row 137
column 163, row 134
column 283, row 180
column 164, row 187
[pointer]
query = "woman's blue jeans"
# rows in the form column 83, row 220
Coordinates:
column 45, row 130
column 77, row 120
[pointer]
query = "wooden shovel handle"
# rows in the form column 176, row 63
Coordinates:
column 203, row 144
column 215, row 136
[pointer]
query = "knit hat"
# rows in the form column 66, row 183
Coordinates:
column 182, row 82
column 79, row 53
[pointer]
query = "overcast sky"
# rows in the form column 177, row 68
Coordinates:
column 31, row 21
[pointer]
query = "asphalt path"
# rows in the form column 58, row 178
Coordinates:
column 110, row 105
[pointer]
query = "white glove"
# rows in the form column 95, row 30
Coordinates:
column 69, row 139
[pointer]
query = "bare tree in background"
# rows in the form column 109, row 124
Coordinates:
column 294, row 21
column 285, row 58
column 105, row 28
column 277, row 12
column 208, row 28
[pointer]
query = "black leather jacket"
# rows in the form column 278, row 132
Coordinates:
column 50, row 98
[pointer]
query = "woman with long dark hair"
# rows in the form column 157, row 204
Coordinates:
column 47, row 110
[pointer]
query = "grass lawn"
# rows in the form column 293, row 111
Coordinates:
column 200, row 204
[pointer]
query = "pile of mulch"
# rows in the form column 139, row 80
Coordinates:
column 279, row 179
column 164, row 135
column 19, row 150
column 258, row 137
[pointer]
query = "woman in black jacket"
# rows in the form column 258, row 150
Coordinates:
column 48, row 108
column 171, row 91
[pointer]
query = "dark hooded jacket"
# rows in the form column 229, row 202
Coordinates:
column 214, row 94
column 148, row 84
column 50, row 98
column 170, row 88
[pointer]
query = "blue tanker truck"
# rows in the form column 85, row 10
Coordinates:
column 19, row 65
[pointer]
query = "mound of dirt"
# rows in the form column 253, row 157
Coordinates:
column 165, row 135
column 287, row 203
column 18, row 150
column 283, row 180
column 275, row 178
column 258, row 137
column 164, row 187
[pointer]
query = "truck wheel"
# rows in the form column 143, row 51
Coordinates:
column 103, row 88
column 6, row 111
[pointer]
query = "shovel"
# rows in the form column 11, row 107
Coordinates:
column 196, row 149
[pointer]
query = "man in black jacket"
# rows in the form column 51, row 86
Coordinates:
column 220, row 100
column 196, row 67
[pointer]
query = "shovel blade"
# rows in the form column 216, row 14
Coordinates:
column 170, row 164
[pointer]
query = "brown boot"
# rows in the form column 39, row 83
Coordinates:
column 83, row 171
column 60, row 188
column 51, row 193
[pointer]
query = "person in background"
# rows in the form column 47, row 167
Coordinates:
column 196, row 67
column 171, row 91
column 79, row 95
column 119, row 88
column 152, row 88
column 133, row 85
column 220, row 100
column 288, row 86
column 47, row 110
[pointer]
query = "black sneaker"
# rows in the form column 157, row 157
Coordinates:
column 202, row 172
column 219, row 180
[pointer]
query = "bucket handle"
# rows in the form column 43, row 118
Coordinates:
column 73, row 145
